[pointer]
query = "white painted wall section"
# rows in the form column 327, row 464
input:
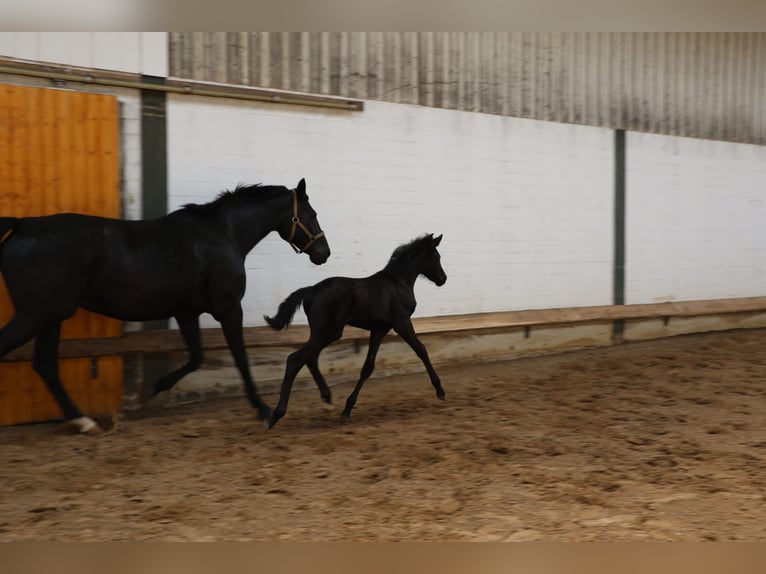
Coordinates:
column 525, row 206
column 695, row 219
column 134, row 52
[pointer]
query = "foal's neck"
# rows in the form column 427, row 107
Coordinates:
column 406, row 274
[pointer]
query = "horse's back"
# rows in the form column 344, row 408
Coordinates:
column 369, row 302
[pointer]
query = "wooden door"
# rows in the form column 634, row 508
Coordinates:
column 59, row 151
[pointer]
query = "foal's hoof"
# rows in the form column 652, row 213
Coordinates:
column 441, row 396
column 264, row 413
column 270, row 422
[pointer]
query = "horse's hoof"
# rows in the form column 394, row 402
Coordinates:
column 88, row 426
column 345, row 418
column 327, row 407
column 441, row 396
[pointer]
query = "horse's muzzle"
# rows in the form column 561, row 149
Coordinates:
column 318, row 254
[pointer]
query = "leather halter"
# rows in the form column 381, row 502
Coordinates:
column 298, row 223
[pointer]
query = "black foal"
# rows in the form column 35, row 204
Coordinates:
column 378, row 303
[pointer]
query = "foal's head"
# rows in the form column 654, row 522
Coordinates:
column 302, row 230
column 418, row 257
column 430, row 263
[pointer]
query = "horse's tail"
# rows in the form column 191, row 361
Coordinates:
column 7, row 225
column 288, row 307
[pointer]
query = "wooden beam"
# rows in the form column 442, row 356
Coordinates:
column 164, row 341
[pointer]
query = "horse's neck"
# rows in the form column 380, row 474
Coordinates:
column 249, row 224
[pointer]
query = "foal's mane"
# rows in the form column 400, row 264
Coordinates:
column 407, row 252
column 252, row 192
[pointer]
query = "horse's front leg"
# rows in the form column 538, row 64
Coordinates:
column 231, row 322
column 407, row 332
column 189, row 327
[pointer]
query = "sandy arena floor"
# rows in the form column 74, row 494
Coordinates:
column 661, row 440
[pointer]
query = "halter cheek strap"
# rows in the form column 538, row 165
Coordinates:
column 298, row 223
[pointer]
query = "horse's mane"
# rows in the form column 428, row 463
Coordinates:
column 242, row 191
column 408, row 251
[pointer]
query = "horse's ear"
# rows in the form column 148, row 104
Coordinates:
column 301, row 189
column 438, row 240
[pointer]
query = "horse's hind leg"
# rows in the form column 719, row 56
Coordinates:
column 376, row 337
column 15, row 333
column 45, row 362
column 189, row 327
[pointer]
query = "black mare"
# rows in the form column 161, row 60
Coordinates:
column 181, row 265
column 378, row 303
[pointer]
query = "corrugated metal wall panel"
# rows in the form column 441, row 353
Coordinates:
column 709, row 85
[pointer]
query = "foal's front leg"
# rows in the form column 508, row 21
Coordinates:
column 407, row 332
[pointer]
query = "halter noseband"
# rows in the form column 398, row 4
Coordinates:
column 298, row 223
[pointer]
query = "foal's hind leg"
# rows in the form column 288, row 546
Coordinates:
column 376, row 337
column 324, row 390
column 189, row 327
column 407, row 332
column 45, row 362
column 307, row 354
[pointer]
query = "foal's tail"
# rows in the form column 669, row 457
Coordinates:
column 287, row 308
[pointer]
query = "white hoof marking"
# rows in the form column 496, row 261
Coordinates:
column 85, row 424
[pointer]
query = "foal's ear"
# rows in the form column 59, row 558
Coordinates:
column 437, row 240
column 301, row 189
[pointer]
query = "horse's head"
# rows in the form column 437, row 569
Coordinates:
column 430, row 262
column 302, row 231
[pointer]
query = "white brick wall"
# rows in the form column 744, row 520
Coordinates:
column 525, row 206
column 696, row 219
column 135, row 52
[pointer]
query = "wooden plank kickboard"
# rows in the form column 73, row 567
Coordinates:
column 170, row 340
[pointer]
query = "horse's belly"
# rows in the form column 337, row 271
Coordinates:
column 138, row 306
